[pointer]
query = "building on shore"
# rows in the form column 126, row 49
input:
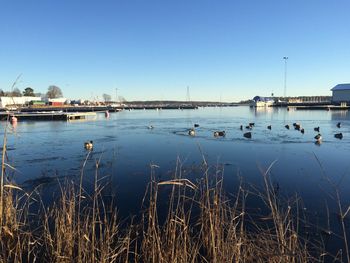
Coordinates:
column 341, row 93
column 259, row 101
column 57, row 101
column 17, row 101
column 309, row 99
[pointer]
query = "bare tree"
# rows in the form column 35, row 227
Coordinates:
column 121, row 99
column 54, row 92
column 16, row 93
column 106, row 97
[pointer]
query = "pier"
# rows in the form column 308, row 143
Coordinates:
column 68, row 109
column 107, row 108
column 53, row 116
column 320, row 107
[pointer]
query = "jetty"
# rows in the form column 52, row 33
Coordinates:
column 52, row 116
column 74, row 109
column 320, row 107
column 160, row 107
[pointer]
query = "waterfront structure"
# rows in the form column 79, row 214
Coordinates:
column 58, row 101
column 37, row 103
column 52, row 115
column 17, row 101
column 262, row 102
column 341, row 93
column 294, row 100
column 310, row 99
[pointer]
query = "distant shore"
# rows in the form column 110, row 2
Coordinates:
column 166, row 105
column 113, row 107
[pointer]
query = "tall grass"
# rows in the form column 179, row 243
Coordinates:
column 201, row 224
column 16, row 240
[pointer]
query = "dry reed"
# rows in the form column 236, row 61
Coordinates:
column 201, row 224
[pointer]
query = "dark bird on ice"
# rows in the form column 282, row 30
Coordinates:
column 338, row 136
column 248, row 135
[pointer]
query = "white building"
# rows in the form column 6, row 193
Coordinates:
column 259, row 101
column 59, row 100
column 5, row 101
column 341, row 93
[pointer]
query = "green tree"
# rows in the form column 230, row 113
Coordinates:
column 28, row 92
column 54, row 92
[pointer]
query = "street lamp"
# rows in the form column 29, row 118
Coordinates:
column 285, row 77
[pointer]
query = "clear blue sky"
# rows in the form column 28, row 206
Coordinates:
column 154, row 49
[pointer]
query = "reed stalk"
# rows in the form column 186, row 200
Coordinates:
column 2, row 179
column 200, row 223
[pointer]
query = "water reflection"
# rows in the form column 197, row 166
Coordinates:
column 262, row 110
column 339, row 115
column 126, row 148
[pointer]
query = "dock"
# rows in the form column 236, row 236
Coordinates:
column 160, row 107
column 106, row 108
column 52, row 116
column 300, row 104
column 69, row 109
column 320, row 107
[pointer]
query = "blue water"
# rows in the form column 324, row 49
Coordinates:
column 126, row 148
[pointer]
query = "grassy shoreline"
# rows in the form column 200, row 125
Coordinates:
column 199, row 224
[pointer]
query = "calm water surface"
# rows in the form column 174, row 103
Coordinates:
column 127, row 147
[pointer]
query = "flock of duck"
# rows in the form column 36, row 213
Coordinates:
column 88, row 145
column 297, row 126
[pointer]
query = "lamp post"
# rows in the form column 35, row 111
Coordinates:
column 285, row 77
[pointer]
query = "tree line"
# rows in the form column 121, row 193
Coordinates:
column 52, row 92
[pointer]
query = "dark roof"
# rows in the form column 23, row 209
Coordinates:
column 342, row 87
column 259, row 98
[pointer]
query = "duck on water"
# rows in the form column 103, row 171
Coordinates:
column 318, row 137
column 192, row 132
column 338, row 135
column 88, row 145
column 248, row 135
column 219, row 134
